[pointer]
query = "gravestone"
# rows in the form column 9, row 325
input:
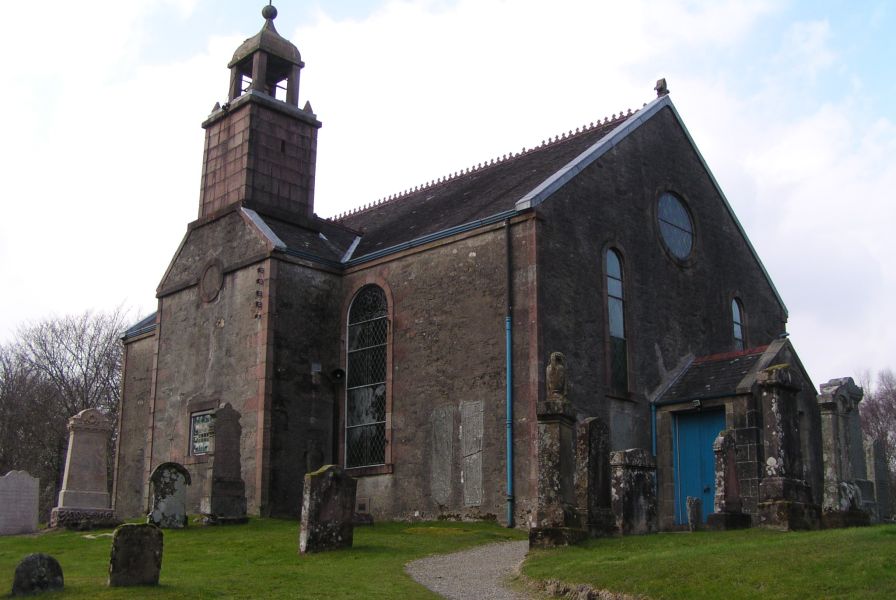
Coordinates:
column 328, row 505
column 18, row 503
column 876, row 460
column 556, row 517
column 728, row 507
column 785, row 500
column 169, row 483
column 37, row 573
column 633, row 492
column 592, row 477
column 224, row 500
column 136, row 557
column 84, row 499
column 695, row 513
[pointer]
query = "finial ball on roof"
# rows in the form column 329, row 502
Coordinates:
column 269, row 12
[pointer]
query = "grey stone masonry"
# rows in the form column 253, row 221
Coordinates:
column 592, row 478
column 18, row 503
column 169, row 483
column 695, row 513
column 876, row 460
column 37, row 573
column 84, row 501
column 136, row 557
column 728, row 507
column 224, row 500
column 784, row 498
column 633, row 492
column 327, row 509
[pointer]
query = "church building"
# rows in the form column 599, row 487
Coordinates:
column 407, row 341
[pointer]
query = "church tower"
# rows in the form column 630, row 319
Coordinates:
column 260, row 147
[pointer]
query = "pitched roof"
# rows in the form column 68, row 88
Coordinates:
column 471, row 195
column 713, row 376
column 144, row 325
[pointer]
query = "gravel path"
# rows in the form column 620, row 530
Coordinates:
column 476, row 574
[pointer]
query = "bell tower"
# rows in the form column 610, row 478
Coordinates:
column 260, row 147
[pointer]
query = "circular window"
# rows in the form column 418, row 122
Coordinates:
column 675, row 226
column 211, row 281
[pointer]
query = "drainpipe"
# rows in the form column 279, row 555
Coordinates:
column 508, row 339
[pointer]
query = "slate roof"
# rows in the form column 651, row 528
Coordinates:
column 713, row 376
column 325, row 240
column 470, row 195
column 144, row 325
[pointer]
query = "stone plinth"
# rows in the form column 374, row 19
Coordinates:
column 37, row 573
column 328, row 505
column 18, row 503
column 224, row 499
column 784, row 498
column 633, row 491
column 136, row 557
column 592, row 476
column 84, row 499
column 169, row 483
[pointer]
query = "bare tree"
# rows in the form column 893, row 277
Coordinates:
column 878, row 411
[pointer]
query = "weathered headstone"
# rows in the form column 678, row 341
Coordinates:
column 728, row 508
column 848, row 498
column 136, row 557
column 224, row 500
column 695, row 513
column 84, row 499
column 556, row 518
column 634, row 491
column 784, row 498
column 169, row 483
column 328, row 505
column 592, row 479
column 878, row 472
column 37, row 573
column 18, row 503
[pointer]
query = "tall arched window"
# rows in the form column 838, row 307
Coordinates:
column 365, row 400
column 737, row 316
column 616, row 323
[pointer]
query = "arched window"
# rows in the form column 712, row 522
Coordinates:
column 365, row 400
column 737, row 317
column 616, row 323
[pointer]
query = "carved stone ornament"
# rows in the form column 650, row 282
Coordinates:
column 212, row 280
column 556, row 377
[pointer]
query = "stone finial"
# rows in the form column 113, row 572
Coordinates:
column 269, row 12
column 556, row 377
column 661, row 88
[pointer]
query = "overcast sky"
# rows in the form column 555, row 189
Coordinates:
column 791, row 104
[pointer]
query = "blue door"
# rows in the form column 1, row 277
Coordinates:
column 694, row 461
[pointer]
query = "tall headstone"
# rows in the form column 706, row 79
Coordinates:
column 633, row 493
column 84, row 499
column 592, row 478
column 224, row 500
column 37, row 573
column 136, row 557
column 169, row 483
column 328, row 504
column 876, row 460
column 695, row 513
column 18, row 503
column 727, row 505
column 556, row 517
column 848, row 498
column 784, row 498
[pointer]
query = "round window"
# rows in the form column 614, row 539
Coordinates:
column 675, row 226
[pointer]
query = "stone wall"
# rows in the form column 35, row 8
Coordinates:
column 673, row 310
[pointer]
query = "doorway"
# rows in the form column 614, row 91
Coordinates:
column 694, row 462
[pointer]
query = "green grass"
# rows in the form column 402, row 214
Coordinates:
column 257, row 560
column 840, row 563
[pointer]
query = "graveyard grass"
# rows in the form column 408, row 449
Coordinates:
column 256, row 560
column 838, row 563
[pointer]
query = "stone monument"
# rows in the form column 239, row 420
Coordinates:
column 592, row 479
column 876, row 461
column 728, row 508
column 634, row 491
column 224, row 500
column 695, row 513
column 18, row 503
column 169, row 483
column 556, row 518
column 84, row 499
column 328, row 504
column 136, row 557
column 37, row 573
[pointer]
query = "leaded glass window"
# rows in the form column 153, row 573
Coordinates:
column 365, row 403
column 675, row 226
column 616, row 323
column 200, row 432
column 738, row 319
